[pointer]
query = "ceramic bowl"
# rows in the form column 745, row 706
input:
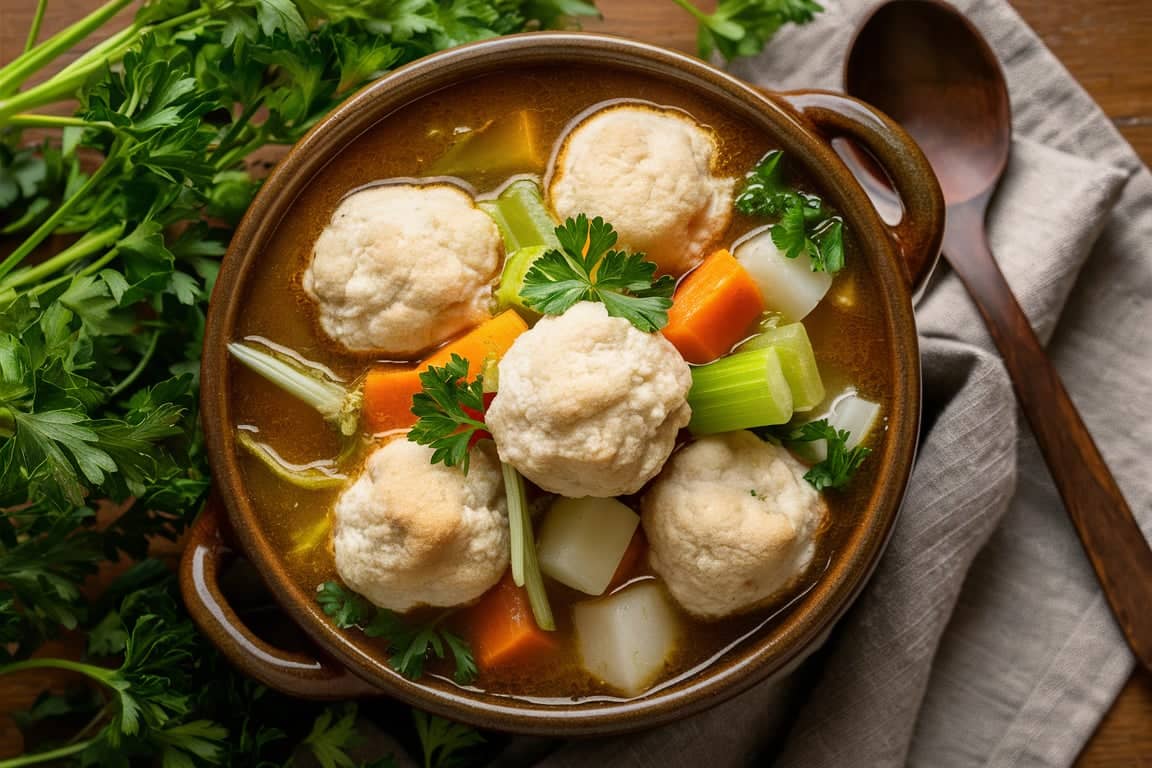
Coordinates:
column 803, row 124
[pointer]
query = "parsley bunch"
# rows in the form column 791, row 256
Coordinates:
column 805, row 224
column 587, row 268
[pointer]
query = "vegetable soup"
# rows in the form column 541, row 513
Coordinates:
column 558, row 384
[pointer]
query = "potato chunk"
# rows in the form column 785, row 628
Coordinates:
column 582, row 541
column 627, row 638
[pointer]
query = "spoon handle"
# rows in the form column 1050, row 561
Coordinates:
column 1111, row 537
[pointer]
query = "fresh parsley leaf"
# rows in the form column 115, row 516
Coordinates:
column 841, row 463
column 333, row 732
column 744, row 27
column 449, row 412
column 442, row 741
column 804, row 224
column 586, row 268
column 408, row 646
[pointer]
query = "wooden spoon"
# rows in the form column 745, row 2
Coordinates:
column 926, row 65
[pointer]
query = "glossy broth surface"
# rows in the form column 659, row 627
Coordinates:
column 848, row 338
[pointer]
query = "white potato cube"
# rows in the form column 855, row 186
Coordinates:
column 582, row 541
column 627, row 638
column 789, row 286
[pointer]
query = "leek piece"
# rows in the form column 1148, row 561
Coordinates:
column 743, row 390
column 336, row 403
column 516, row 266
column 521, row 216
column 789, row 286
column 316, row 476
column 797, row 360
column 525, row 566
column 507, row 145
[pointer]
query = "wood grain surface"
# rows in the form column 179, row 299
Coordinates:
column 1105, row 44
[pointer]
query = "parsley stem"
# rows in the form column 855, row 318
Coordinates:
column 85, row 246
column 49, row 225
column 99, row 674
column 32, row 120
column 30, row 62
column 52, row 754
column 140, row 366
column 692, row 9
column 37, row 21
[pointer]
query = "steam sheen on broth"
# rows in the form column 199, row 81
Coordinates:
column 416, row 144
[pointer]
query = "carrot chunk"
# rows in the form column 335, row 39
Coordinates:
column 492, row 337
column 388, row 391
column 713, row 308
column 501, row 629
column 630, row 560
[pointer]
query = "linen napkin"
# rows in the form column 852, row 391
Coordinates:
column 983, row 638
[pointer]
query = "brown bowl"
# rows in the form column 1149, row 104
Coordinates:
column 803, row 124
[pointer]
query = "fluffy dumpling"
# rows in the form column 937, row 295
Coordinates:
column 648, row 172
column 409, row 532
column 401, row 268
column 588, row 405
column 731, row 521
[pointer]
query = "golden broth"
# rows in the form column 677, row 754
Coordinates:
column 848, row 338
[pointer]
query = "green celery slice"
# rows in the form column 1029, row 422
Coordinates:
column 522, row 217
column 741, row 391
column 797, row 360
column 516, row 266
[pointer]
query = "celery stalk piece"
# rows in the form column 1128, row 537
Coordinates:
column 796, row 359
column 521, row 216
column 743, row 390
column 525, row 565
column 336, row 403
column 516, row 266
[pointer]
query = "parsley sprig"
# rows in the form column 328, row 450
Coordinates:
column 804, row 224
column 587, row 268
column 841, row 463
column 449, row 412
column 743, row 27
column 408, row 646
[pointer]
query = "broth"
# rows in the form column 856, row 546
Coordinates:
column 849, row 340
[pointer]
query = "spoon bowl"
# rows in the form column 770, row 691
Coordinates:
column 925, row 65
column 943, row 101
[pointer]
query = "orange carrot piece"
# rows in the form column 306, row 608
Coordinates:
column 713, row 308
column 501, row 629
column 630, row 560
column 388, row 391
column 492, row 337
column 388, row 398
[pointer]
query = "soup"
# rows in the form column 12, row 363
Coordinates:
column 472, row 137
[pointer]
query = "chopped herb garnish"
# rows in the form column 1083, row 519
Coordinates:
column 449, row 412
column 804, row 225
column 408, row 646
column 837, row 469
column 587, row 268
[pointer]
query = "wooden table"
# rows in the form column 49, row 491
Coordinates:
column 1106, row 44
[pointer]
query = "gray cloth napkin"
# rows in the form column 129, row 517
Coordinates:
column 983, row 638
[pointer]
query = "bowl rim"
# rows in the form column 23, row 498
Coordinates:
column 757, row 660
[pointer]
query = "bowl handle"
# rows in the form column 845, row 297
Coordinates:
column 918, row 234
column 292, row 673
